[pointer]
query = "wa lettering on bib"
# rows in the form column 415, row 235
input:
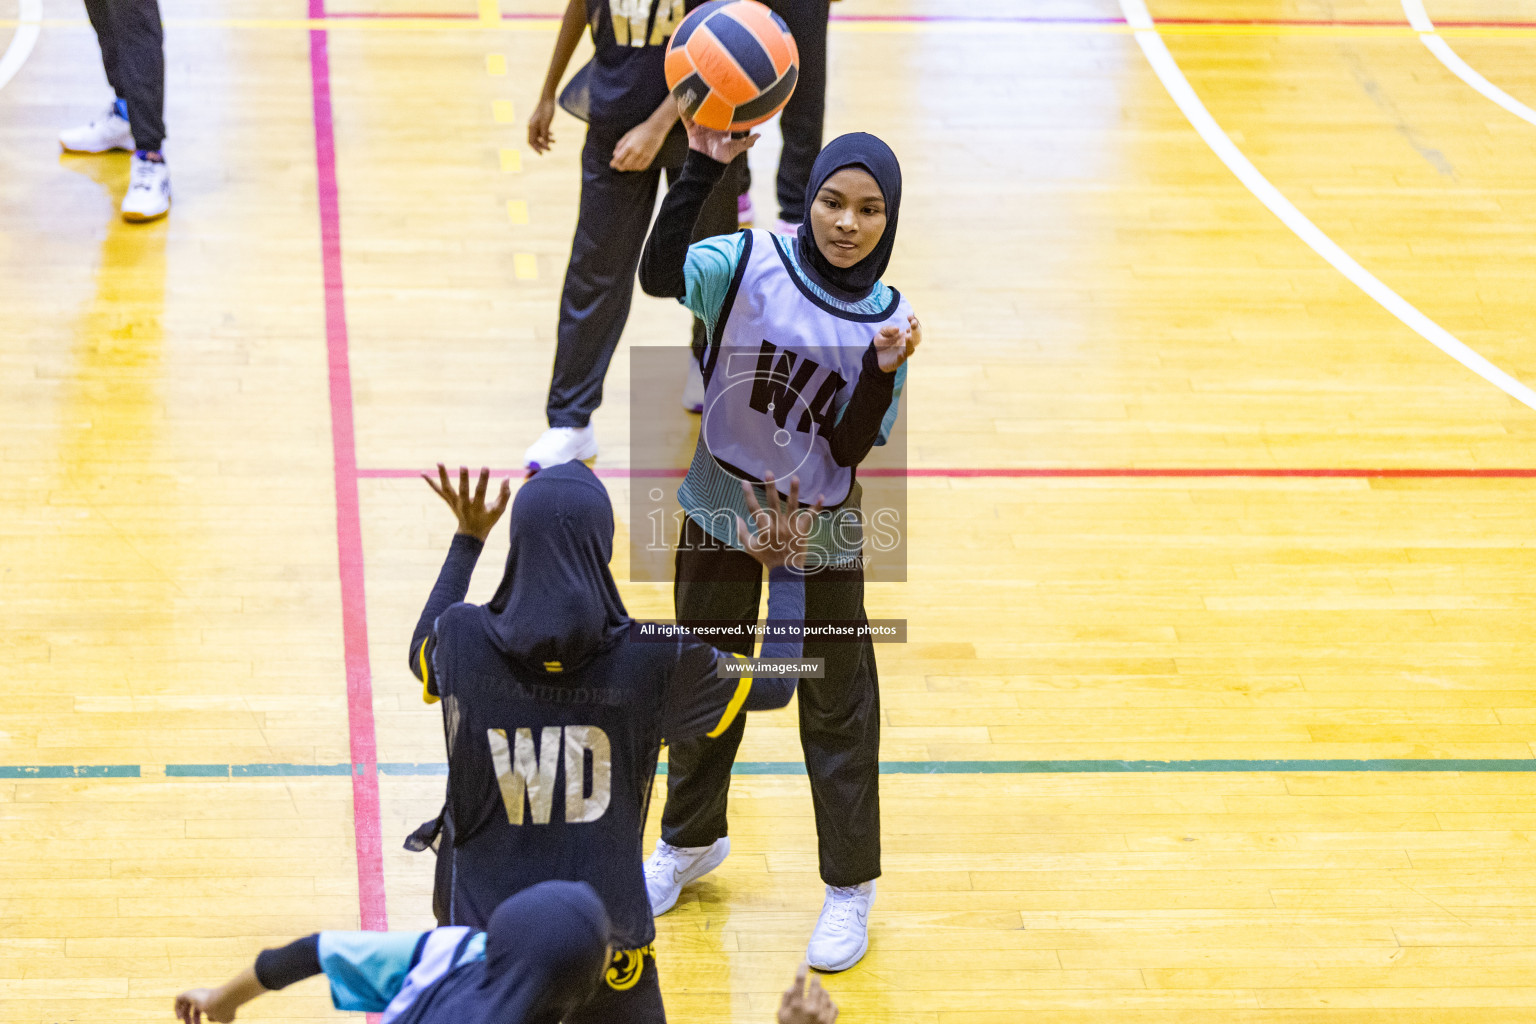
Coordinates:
column 781, row 367
column 644, row 22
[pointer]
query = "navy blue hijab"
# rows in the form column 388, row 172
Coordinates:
column 557, row 601
column 857, row 149
column 545, row 950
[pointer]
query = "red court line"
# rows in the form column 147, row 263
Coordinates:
column 1003, row 19
column 1075, row 473
column 349, row 530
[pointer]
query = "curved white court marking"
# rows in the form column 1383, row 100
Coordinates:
column 1419, row 20
column 22, row 42
column 1183, row 94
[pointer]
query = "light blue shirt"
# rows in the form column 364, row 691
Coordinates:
column 368, row 969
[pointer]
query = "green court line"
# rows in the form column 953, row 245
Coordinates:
column 1079, row 767
column 69, row 771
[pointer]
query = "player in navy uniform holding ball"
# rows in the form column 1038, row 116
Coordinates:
column 805, row 364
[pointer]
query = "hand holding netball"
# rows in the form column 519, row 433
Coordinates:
column 778, row 535
column 720, row 146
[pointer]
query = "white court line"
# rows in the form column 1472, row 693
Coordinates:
column 16, row 54
column 1419, row 20
column 1168, row 72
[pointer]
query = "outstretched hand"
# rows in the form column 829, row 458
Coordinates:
column 894, row 346
column 719, row 146
column 475, row 519
column 778, row 536
column 196, row 1004
column 806, row 1004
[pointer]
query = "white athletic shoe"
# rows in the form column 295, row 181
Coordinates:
column 559, row 445
column 106, row 132
column 842, row 932
column 784, row 227
column 149, row 191
column 693, row 388
column 672, row 867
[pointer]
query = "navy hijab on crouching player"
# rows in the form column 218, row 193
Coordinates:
column 555, row 709
column 805, row 363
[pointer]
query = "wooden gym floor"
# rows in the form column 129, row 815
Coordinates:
column 1217, row 705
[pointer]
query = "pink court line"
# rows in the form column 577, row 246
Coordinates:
column 1048, row 472
column 349, row 531
column 1001, row 19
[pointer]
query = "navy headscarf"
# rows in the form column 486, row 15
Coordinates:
column 545, row 950
column 857, row 149
column 557, row 601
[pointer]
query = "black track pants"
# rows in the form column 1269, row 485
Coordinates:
column 839, row 714
column 133, row 54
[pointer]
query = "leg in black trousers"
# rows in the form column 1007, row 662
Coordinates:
column 614, row 215
column 600, row 279
column 839, row 714
column 133, row 55
column 840, row 733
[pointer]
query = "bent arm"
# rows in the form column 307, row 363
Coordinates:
column 666, row 250
column 274, row 969
column 859, row 428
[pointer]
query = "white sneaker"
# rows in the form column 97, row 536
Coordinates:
column 149, row 191
column 559, row 445
column 672, row 867
column 693, row 388
column 106, row 132
column 784, row 227
column 842, row 932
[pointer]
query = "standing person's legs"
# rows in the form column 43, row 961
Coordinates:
column 803, row 117
column 600, row 280
column 840, row 733
column 139, row 42
column 715, row 584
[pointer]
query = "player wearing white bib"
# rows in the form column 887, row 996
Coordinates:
column 803, row 368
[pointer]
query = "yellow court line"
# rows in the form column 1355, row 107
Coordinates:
column 525, row 266
column 511, row 161
column 869, row 28
column 496, row 64
column 517, row 211
column 501, row 111
column 490, row 13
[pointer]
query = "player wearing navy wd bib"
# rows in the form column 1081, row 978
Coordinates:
column 803, row 370
column 555, row 709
